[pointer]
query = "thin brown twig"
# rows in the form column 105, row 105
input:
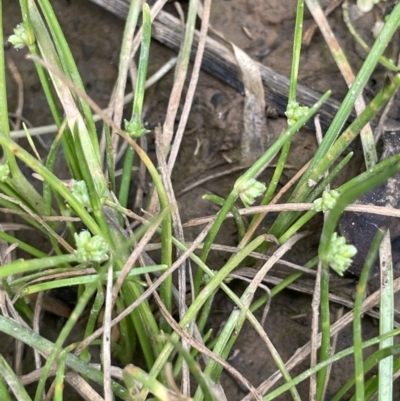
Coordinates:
column 174, row 100
column 34, row 376
column 315, row 304
column 36, row 325
column 299, row 207
column 15, row 226
column 309, row 33
column 233, row 249
column 106, row 341
column 82, row 387
column 20, row 96
column 197, row 183
column 192, row 85
column 44, row 218
column 179, row 235
column 316, row 299
column 117, row 102
column 234, row 169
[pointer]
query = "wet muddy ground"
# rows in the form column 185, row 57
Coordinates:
column 264, row 31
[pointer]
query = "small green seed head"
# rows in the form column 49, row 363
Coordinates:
column 294, row 112
column 81, row 194
column 340, row 254
column 19, row 40
column 250, row 190
column 327, row 202
column 4, row 172
column 90, row 249
column 134, row 128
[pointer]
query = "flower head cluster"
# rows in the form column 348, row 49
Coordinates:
column 340, row 254
column 4, row 172
column 249, row 190
column 294, row 112
column 134, row 128
column 327, row 202
column 80, row 192
column 90, row 249
column 19, row 40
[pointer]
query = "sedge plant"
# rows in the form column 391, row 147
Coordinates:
column 92, row 245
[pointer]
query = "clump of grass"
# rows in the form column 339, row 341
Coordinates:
column 108, row 263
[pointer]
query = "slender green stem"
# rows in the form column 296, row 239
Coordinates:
column 386, row 319
column 357, row 325
column 143, row 63
column 325, row 350
column 236, row 215
column 86, row 279
column 382, row 59
column 22, row 245
column 128, row 340
column 60, row 375
column 25, row 266
column 135, row 126
column 273, row 183
column 366, row 135
column 329, row 178
column 126, row 177
column 95, row 191
column 297, row 226
column 205, row 313
column 201, row 378
column 92, row 320
column 4, row 392
column 13, row 382
column 298, row 33
column 228, row 336
column 311, row 213
column 110, row 158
